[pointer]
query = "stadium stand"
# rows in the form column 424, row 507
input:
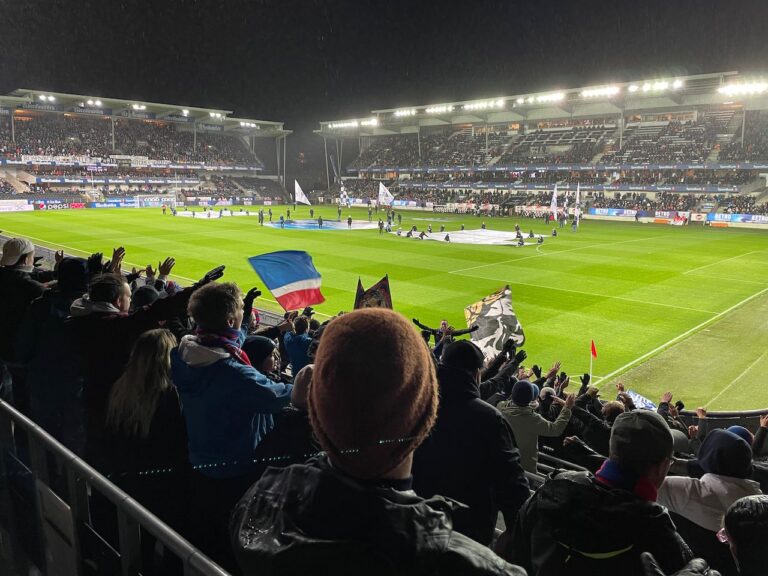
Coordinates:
column 69, row 134
column 100, row 321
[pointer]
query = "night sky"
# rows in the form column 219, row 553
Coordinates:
column 306, row 61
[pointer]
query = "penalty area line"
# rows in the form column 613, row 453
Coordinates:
column 682, row 336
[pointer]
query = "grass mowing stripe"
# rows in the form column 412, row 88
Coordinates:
column 681, row 336
column 739, row 377
column 721, row 261
column 605, row 296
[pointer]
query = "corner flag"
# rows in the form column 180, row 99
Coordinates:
column 593, row 350
column 300, row 197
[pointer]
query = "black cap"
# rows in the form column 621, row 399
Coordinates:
column 640, row 436
column 463, row 355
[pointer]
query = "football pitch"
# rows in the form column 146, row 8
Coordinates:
column 669, row 308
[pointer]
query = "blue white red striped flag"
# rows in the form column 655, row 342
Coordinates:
column 291, row 277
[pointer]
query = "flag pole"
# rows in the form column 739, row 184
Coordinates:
column 590, row 365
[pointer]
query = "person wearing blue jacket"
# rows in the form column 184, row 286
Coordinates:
column 227, row 405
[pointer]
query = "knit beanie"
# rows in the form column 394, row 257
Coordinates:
column 258, row 348
column 742, row 433
column 524, row 392
column 143, row 296
column 374, row 393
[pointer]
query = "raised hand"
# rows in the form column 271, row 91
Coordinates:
column 553, row 370
column 212, row 275
column 764, row 421
column 95, row 263
column 166, row 266
column 520, row 356
column 58, row 257
column 116, row 264
column 701, row 412
column 620, row 387
column 667, row 398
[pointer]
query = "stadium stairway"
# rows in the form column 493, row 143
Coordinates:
column 21, row 185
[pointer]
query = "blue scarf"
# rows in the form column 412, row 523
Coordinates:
column 613, row 475
column 227, row 338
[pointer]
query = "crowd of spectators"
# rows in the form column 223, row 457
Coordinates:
column 359, row 443
column 755, row 146
column 672, row 141
column 75, row 135
column 6, row 187
column 743, row 205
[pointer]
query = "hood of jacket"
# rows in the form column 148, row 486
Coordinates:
column 310, row 514
column 192, row 365
column 726, row 454
column 456, row 385
column 84, row 306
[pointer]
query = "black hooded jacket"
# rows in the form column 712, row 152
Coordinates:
column 311, row 519
column 574, row 526
column 471, row 456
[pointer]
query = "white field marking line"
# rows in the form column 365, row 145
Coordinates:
column 721, row 261
column 137, row 266
column 747, row 369
column 542, row 254
column 682, row 336
column 606, row 296
column 731, row 279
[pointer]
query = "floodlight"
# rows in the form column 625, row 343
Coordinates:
column 634, row 88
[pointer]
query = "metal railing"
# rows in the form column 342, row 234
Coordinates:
column 47, row 499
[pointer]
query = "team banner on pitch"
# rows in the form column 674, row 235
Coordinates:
column 496, row 321
column 377, row 296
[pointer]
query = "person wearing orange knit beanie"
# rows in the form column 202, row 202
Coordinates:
column 372, row 401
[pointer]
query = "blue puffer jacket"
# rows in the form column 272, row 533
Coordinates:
column 227, row 406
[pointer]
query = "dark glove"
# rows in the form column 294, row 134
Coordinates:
column 696, row 567
column 584, row 383
column 37, row 261
column 520, row 358
column 252, row 294
column 415, row 321
column 95, row 265
column 509, row 345
column 210, row 276
column 474, row 328
column 536, row 370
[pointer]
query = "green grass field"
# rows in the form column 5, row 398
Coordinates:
column 678, row 308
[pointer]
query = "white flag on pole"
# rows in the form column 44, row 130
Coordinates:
column 385, row 196
column 553, row 204
column 300, row 197
column 577, row 210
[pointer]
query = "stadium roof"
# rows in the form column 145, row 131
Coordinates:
column 611, row 99
column 43, row 100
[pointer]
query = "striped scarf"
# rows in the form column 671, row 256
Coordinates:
column 227, row 338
